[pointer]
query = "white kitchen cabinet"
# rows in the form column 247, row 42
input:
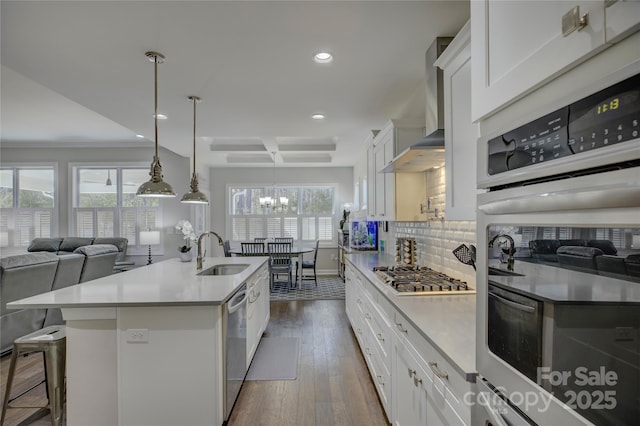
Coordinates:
column 258, row 311
column 516, row 46
column 371, row 180
column 460, row 138
column 397, row 195
column 622, row 18
column 415, row 383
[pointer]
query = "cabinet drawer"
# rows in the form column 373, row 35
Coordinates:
column 445, row 382
column 380, row 377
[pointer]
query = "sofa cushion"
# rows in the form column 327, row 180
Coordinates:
column 45, row 244
column 27, row 259
column 71, row 243
column 119, row 242
column 580, row 251
column 605, row 245
column 96, row 249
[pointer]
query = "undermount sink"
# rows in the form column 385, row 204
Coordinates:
column 497, row 271
column 225, row 269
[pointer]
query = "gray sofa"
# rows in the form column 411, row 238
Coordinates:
column 26, row 275
column 66, row 245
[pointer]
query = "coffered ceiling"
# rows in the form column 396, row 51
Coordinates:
column 75, row 74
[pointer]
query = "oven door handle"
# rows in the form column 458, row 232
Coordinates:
column 497, row 419
column 513, row 304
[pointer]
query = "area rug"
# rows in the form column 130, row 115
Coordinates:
column 329, row 287
column 276, row 359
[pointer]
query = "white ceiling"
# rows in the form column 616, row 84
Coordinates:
column 75, row 73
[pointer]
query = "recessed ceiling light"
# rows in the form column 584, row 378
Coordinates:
column 161, row 117
column 140, row 136
column 323, row 57
column 318, row 116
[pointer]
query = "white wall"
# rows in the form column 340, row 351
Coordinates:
column 176, row 170
column 219, row 178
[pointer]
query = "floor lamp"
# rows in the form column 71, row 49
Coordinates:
column 149, row 238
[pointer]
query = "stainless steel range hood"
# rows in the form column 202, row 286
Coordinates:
column 428, row 152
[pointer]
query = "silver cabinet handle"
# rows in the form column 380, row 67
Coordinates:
column 380, row 380
column 411, row 372
column 367, row 316
column 401, row 328
column 572, row 21
column 436, row 370
column 380, row 337
column 416, row 381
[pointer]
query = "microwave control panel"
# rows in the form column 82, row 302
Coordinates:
column 605, row 118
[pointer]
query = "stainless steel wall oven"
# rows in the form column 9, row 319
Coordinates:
column 558, row 260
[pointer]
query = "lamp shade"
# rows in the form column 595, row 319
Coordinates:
column 150, row 238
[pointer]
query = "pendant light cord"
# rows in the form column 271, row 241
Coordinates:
column 195, row 101
column 155, row 99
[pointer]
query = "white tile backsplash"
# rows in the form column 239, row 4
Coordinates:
column 436, row 239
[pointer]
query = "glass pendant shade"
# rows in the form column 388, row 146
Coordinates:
column 195, row 196
column 155, row 187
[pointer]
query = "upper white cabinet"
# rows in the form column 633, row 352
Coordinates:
column 461, row 135
column 516, row 46
column 621, row 18
column 397, row 195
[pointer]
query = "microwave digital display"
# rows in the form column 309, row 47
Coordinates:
column 606, row 118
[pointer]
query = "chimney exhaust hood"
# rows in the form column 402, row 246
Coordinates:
column 428, row 152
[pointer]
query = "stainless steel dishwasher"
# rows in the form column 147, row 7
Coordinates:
column 234, row 329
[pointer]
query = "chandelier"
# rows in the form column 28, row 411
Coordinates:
column 276, row 204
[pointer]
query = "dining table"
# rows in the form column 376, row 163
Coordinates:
column 297, row 250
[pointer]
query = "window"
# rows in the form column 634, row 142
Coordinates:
column 105, row 203
column 309, row 215
column 27, row 203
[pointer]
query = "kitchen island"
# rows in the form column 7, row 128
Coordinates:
column 146, row 346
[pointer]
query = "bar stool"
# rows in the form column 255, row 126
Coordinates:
column 52, row 342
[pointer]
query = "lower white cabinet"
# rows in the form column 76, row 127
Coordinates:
column 258, row 311
column 415, row 383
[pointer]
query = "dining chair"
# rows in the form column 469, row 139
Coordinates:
column 280, row 262
column 283, row 240
column 260, row 239
column 308, row 264
column 252, row 249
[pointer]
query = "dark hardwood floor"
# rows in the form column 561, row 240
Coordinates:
column 333, row 386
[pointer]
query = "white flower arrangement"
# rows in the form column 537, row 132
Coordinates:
column 187, row 231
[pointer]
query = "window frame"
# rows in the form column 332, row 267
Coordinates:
column 229, row 217
column 119, row 166
column 13, row 212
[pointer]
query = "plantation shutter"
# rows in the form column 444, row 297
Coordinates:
column 325, row 228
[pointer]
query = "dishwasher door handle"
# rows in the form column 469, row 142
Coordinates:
column 233, row 308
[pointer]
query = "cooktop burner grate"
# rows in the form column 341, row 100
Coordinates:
column 408, row 280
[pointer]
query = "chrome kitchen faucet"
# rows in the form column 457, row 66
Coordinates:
column 199, row 257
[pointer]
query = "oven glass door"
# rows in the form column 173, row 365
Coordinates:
column 563, row 309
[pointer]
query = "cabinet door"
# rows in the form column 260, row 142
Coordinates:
column 518, row 45
column 371, row 179
column 381, row 189
column 409, row 404
column 389, row 181
column 622, row 18
column 461, row 136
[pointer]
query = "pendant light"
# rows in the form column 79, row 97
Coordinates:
column 268, row 202
column 195, row 196
column 155, row 187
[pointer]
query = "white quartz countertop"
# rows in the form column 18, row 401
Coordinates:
column 170, row 282
column 447, row 322
column 561, row 285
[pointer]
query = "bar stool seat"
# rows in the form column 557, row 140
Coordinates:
column 52, row 342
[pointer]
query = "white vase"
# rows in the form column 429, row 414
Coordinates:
column 186, row 256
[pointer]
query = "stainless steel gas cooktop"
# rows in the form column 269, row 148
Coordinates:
column 417, row 280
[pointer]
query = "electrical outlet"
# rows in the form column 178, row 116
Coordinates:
column 137, row 335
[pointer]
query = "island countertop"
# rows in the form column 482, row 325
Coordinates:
column 447, row 322
column 167, row 283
